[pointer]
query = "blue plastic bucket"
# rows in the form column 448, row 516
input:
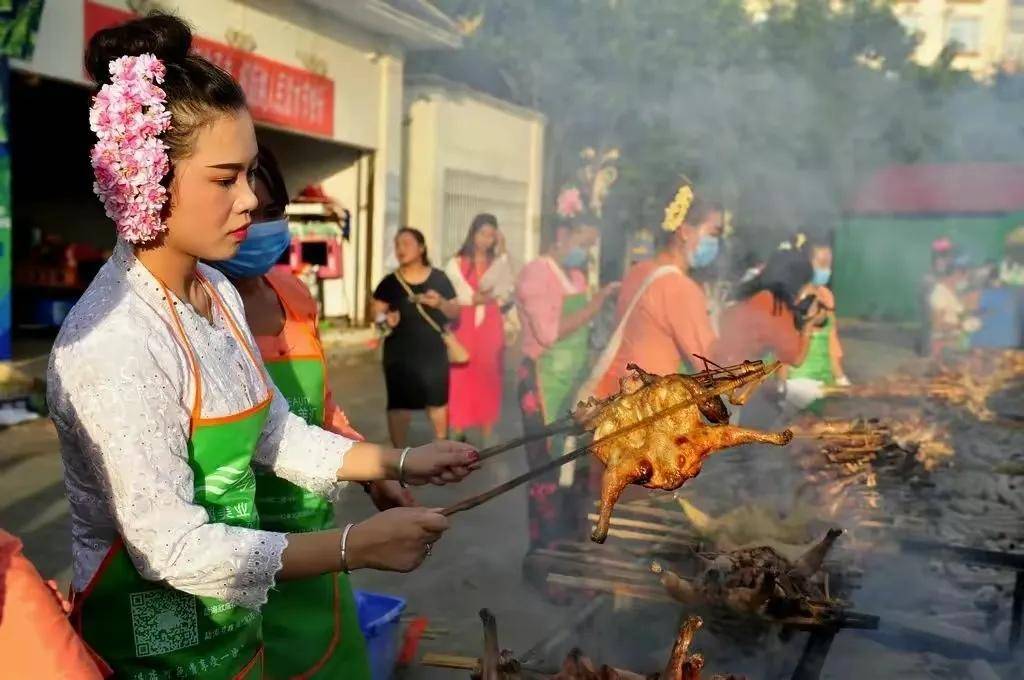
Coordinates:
column 379, row 619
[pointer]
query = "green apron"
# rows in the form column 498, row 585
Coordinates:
column 818, row 362
column 310, row 626
column 560, row 369
column 146, row 630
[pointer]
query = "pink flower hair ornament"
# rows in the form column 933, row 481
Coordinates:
column 129, row 159
column 569, row 203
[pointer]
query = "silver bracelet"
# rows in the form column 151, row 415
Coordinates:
column 401, row 466
column 344, row 547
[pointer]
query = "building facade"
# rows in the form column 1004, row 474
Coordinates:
column 324, row 82
column 457, row 166
column 989, row 34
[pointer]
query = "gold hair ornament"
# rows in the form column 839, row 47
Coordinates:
column 676, row 211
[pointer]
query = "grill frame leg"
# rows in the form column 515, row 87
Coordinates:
column 812, row 660
column 1018, row 611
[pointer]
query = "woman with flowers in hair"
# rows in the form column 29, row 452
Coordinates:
column 663, row 313
column 162, row 407
column 556, row 310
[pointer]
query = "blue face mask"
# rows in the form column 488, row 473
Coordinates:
column 821, row 276
column 259, row 252
column 706, row 252
column 575, row 258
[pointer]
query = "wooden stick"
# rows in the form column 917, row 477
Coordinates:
column 464, row 663
column 589, row 559
column 606, row 586
column 649, row 538
column 650, row 526
column 673, row 515
column 470, row 503
column 624, row 576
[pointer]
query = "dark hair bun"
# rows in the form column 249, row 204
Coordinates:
column 164, row 35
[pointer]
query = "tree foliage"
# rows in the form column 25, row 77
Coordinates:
column 782, row 118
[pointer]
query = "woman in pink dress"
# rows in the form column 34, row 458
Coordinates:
column 482, row 278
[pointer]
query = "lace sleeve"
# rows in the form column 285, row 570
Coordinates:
column 119, row 395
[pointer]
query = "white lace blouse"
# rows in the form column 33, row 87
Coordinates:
column 120, row 392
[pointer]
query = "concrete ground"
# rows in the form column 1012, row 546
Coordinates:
column 477, row 564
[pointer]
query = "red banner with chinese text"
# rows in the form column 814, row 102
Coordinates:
column 278, row 94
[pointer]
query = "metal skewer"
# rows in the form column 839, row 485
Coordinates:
column 557, row 427
column 474, row 501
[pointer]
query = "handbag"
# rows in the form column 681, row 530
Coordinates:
column 457, row 353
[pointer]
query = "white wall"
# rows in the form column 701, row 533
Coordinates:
column 452, row 129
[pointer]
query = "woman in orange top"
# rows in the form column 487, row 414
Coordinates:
column 662, row 312
column 771, row 314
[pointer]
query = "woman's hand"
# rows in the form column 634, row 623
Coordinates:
column 393, row 318
column 482, row 297
column 431, row 299
column 439, row 463
column 387, row 494
column 394, row 540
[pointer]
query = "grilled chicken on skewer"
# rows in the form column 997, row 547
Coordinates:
column 671, row 449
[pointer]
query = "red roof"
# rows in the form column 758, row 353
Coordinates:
column 955, row 188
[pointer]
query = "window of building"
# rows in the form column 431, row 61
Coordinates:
column 466, row 194
column 966, row 32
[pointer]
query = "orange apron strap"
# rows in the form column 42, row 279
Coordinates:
column 197, row 402
column 284, row 297
column 256, row 660
column 308, row 328
column 215, row 296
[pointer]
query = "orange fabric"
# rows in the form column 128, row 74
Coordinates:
column 752, row 328
column 669, row 324
column 631, row 282
column 300, row 337
column 36, row 637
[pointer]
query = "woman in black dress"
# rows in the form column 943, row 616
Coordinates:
column 415, row 356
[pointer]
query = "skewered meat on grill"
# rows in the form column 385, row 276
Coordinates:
column 685, row 666
column 756, row 581
column 669, row 449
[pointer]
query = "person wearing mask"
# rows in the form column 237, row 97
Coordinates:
column 162, row 408
column 556, row 311
column 824, row 361
column 774, row 313
column 663, row 313
column 416, row 302
column 310, row 626
column 482, row 278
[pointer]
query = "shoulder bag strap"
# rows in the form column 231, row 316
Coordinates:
column 419, row 307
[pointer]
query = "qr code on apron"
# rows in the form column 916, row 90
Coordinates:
column 163, row 621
